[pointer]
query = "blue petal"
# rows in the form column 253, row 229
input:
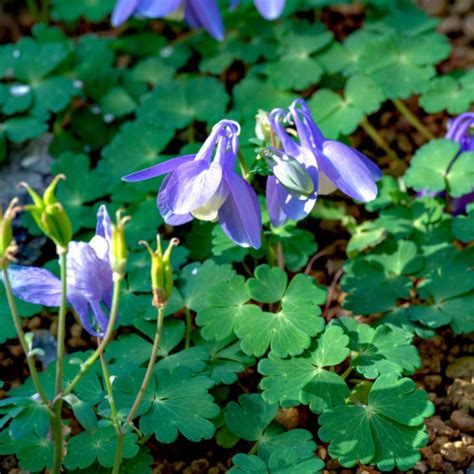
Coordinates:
column 275, row 211
column 159, row 169
column 35, row 285
column 165, row 210
column 81, row 307
column 240, row 216
column 346, row 170
column 192, row 185
column 122, row 11
column 104, row 225
column 206, row 14
column 157, row 8
column 270, row 9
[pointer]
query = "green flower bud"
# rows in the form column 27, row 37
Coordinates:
column 290, row 173
column 49, row 214
column 161, row 271
column 263, row 130
column 118, row 247
column 8, row 246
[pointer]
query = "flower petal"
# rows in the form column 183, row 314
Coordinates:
column 294, row 208
column 165, row 210
column 205, row 13
column 35, row 285
column 192, row 185
column 99, row 315
column 289, row 145
column 346, row 170
column 375, row 171
column 159, row 169
column 157, row 8
column 270, row 9
column 81, row 307
column 277, row 215
column 104, row 225
column 240, row 216
column 122, row 11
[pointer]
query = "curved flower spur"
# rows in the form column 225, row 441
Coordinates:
column 206, row 186
column 330, row 164
column 89, row 279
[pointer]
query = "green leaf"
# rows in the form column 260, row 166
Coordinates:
column 20, row 129
column 136, row 146
column 438, row 165
column 152, row 70
column 304, row 378
column 183, row 101
column 77, row 192
column 249, row 418
column 382, row 350
column 35, row 453
column 93, row 10
column 196, row 279
column 181, row 404
column 83, row 412
column 388, row 431
column 101, row 445
column 117, row 102
column 463, row 227
column 268, row 285
column 52, row 95
column 449, row 93
column 298, row 247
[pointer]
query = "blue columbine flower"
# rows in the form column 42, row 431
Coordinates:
column 206, row 186
column 197, row 13
column 269, row 9
column 89, row 279
column 459, row 132
column 330, row 164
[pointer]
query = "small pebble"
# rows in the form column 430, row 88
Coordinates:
column 463, row 421
column 450, row 24
column 462, row 367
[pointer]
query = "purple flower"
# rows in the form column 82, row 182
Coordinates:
column 269, row 9
column 197, row 13
column 330, row 164
column 89, row 279
column 206, row 186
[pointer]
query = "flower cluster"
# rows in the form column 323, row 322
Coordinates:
column 197, row 13
column 206, row 186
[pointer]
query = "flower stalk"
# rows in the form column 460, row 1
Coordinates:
column 412, row 119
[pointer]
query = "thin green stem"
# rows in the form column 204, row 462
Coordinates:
column 151, row 365
column 32, row 7
column 189, row 327
column 346, row 372
column 280, row 255
column 45, row 11
column 21, row 336
column 113, row 415
column 57, row 426
column 108, row 335
column 412, row 119
column 378, row 139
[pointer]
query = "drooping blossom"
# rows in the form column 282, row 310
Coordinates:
column 197, row 13
column 89, row 279
column 269, row 9
column 330, row 164
column 459, row 132
column 206, row 186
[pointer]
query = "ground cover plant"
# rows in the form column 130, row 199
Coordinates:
column 228, row 230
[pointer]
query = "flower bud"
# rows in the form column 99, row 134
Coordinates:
column 161, row 271
column 49, row 214
column 8, row 246
column 263, row 130
column 290, row 173
column 118, row 246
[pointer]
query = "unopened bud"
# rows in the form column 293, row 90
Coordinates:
column 290, row 173
column 263, row 130
column 118, row 247
column 8, row 246
column 49, row 214
column 161, row 271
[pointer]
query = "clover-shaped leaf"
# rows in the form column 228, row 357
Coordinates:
column 446, row 92
column 182, row 404
column 184, row 100
column 440, row 165
column 249, row 418
column 305, row 378
column 463, row 227
column 387, row 431
column 379, row 351
column 87, row 447
column 93, row 10
column 268, row 285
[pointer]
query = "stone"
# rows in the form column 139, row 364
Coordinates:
column 460, row 368
column 462, row 420
column 455, row 452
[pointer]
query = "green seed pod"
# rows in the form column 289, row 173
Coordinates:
column 161, row 271
column 50, row 215
column 118, row 248
column 8, row 246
